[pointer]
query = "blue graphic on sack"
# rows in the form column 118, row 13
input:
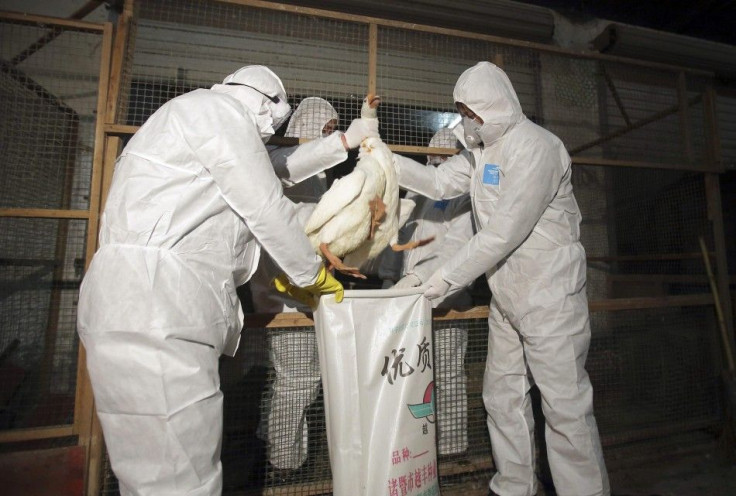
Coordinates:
column 425, row 409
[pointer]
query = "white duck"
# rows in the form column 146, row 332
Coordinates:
column 359, row 215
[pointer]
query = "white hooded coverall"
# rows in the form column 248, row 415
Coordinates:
column 193, row 198
column 528, row 246
column 294, row 353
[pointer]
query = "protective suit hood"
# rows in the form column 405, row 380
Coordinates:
column 486, row 90
column 262, row 92
column 444, row 138
column 310, row 118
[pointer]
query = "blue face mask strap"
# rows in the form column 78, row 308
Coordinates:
column 274, row 99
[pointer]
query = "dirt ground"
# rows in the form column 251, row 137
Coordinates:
column 698, row 463
column 702, row 472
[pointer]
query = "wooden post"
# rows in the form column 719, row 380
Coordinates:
column 372, row 57
column 498, row 60
column 687, row 145
column 84, row 417
column 715, row 209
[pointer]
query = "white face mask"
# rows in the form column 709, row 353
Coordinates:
column 280, row 112
column 471, row 132
column 272, row 114
column 264, row 121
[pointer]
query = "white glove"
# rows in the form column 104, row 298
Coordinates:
column 408, row 281
column 359, row 130
column 436, row 286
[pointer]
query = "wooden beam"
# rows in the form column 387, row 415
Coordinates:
column 44, row 213
column 298, row 319
column 646, row 258
column 665, row 278
column 603, row 162
column 51, row 21
column 372, row 57
column 122, row 129
column 84, row 414
column 21, row 435
column 80, row 13
column 117, row 62
column 329, row 14
column 614, row 93
column 616, row 304
column 687, row 142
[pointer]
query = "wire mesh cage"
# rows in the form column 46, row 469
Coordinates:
column 48, row 97
column 640, row 225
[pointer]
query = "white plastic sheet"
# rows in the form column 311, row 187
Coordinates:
column 375, row 351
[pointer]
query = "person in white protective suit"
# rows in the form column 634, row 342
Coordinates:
column 527, row 244
column 193, row 200
column 450, row 223
column 294, row 353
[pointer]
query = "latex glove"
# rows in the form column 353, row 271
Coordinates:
column 436, row 286
column 408, row 281
column 359, row 130
column 309, row 295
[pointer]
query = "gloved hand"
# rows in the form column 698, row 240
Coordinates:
column 359, row 130
column 408, row 281
column 436, row 286
column 309, row 295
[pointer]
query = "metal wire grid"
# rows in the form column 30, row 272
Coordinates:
column 416, row 74
column 655, row 370
column 197, row 44
column 41, row 261
column 47, row 103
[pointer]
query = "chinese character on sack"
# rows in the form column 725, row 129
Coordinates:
column 424, row 357
column 397, row 367
column 402, row 485
column 395, row 458
column 393, row 487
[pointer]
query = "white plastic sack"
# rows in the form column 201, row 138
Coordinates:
column 375, row 351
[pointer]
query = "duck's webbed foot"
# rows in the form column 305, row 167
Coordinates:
column 412, row 244
column 335, row 263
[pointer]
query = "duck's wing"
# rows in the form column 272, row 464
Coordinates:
column 339, row 196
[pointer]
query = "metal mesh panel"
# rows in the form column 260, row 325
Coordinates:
column 196, row 44
column 640, row 231
column 48, row 97
column 47, row 103
column 643, row 385
column 41, row 264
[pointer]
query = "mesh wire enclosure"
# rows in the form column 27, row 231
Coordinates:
column 48, row 95
column 640, row 226
column 41, row 263
column 47, row 104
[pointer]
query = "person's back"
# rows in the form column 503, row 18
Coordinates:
column 191, row 194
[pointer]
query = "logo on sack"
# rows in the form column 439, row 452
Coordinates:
column 425, row 409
